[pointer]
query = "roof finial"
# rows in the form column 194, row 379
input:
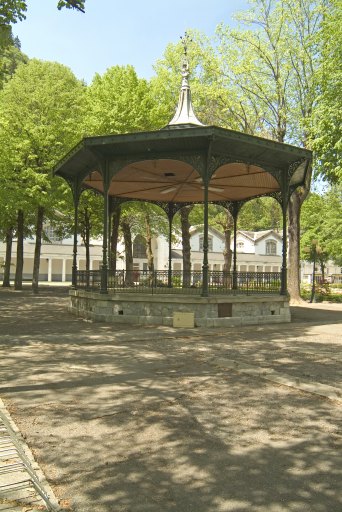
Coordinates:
column 185, row 40
column 185, row 114
column 185, row 63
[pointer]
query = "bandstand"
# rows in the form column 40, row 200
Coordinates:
column 184, row 163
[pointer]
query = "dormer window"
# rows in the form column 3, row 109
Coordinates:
column 271, row 247
column 51, row 234
column 210, row 243
column 240, row 246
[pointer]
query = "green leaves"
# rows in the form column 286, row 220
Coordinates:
column 12, row 11
column 326, row 130
column 40, row 112
column 71, row 4
column 118, row 102
column 321, row 221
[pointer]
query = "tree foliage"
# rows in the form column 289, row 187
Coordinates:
column 327, row 115
column 118, row 102
column 321, row 221
column 40, row 111
column 12, row 11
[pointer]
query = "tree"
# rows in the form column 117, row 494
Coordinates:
column 326, row 129
column 150, row 222
column 209, row 92
column 114, row 237
column 333, row 223
column 118, row 102
column 260, row 214
column 321, row 221
column 313, row 231
column 71, row 4
column 262, row 75
column 89, row 219
column 40, row 113
column 13, row 205
column 273, row 67
column 10, row 57
column 126, row 228
column 12, row 11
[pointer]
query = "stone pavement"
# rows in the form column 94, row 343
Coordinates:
column 145, row 419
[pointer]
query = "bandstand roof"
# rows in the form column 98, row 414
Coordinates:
column 170, row 165
column 165, row 165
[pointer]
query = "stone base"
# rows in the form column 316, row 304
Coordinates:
column 220, row 311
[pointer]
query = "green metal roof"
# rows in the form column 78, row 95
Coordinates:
column 194, row 151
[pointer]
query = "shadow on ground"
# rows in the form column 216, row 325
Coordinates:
column 141, row 420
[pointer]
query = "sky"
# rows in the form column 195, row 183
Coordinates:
column 116, row 32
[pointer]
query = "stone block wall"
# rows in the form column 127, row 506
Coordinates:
column 159, row 310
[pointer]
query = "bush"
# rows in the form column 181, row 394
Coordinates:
column 321, row 296
column 337, row 286
column 176, row 281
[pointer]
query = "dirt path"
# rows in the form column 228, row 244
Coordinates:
column 131, row 419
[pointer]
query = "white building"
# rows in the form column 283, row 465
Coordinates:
column 55, row 259
column 256, row 251
column 259, row 251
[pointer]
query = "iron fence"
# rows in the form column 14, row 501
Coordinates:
column 178, row 282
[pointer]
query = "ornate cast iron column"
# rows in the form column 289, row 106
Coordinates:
column 205, row 266
column 283, row 286
column 104, row 267
column 284, row 199
column 109, row 231
column 170, row 215
column 76, row 193
column 235, row 211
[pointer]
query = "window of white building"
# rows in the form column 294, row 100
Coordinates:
column 51, row 234
column 210, row 243
column 271, row 247
column 240, row 246
column 139, row 247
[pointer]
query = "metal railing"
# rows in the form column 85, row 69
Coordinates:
column 179, row 282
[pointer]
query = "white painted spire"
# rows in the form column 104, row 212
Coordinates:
column 185, row 113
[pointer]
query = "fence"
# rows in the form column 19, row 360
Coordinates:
column 178, row 282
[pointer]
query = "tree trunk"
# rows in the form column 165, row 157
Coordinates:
column 293, row 275
column 227, row 253
column 18, row 280
column 126, row 230
column 322, row 265
column 186, row 248
column 149, row 253
column 37, row 249
column 86, row 237
column 114, row 237
column 7, row 266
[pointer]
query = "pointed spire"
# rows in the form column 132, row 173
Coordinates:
column 185, row 113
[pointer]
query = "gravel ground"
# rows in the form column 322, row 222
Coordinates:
column 142, row 419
